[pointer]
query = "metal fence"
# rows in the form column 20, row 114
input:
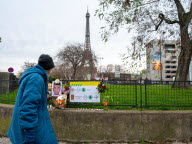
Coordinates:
column 125, row 93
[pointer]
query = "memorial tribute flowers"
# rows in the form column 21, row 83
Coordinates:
column 101, row 88
column 58, row 94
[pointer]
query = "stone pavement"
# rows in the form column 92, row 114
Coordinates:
column 5, row 140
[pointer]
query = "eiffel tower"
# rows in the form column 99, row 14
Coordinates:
column 87, row 33
column 90, row 68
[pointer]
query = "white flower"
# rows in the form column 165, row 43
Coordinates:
column 57, row 81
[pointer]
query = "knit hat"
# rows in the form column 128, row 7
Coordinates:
column 46, row 62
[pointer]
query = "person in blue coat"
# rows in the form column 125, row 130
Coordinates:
column 30, row 120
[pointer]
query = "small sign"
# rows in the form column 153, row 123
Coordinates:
column 11, row 70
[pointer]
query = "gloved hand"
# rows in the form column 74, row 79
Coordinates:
column 29, row 136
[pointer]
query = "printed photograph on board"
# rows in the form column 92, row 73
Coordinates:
column 56, row 87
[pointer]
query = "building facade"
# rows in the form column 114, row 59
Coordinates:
column 190, row 71
column 112, row 76
column 162, row 59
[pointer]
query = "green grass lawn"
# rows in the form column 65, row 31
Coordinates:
column 153, row 97
column 8, row 98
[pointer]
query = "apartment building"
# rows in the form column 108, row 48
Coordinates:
column 190, row 71
column 162, row 59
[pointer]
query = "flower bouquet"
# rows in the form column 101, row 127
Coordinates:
column 49, row 100
column 66, row 89
column 101, row 88
column 60, row 101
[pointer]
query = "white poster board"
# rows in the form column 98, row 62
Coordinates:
column 84, row 92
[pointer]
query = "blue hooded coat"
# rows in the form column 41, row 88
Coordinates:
column 30, row 110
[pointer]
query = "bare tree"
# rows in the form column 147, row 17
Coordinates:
column 110, row 68
column 62, row 71
column 26, row 65
column 72, row 55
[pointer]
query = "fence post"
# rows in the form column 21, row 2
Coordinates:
column 136, row 93
column 145, row 94
column 140, row 93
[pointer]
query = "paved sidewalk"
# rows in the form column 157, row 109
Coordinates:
column 5, row 140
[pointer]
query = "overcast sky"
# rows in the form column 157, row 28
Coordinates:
column 31, row 27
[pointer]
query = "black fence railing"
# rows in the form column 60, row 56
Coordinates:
column 164, row 94
column 125, row 93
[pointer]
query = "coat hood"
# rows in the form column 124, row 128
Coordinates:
column 37, row 69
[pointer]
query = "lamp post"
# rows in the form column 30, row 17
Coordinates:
column 161, row 77
column 100, row 58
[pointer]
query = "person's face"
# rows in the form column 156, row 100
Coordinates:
column 56, row 89
column 48, row 71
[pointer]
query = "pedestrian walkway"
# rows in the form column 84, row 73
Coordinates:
column 5, row 140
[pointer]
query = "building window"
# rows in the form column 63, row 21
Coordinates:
column 173, row 62
column 167, row 67
column 173, row 72
column 170, row 51
column 173, row 67
column 168, row 72
column 167, row 61
column 168, row 76
column 170, row 46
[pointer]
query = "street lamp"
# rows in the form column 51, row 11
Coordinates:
column 100, row 58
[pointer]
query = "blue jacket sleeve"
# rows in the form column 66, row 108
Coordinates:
column 29, row 102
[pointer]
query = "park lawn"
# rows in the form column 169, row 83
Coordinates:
column 152, row 95
column 157, row 97
column 9, row 98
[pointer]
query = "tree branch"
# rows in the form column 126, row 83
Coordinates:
column 128, row 3
column 180, row 9
column 162, row 17
column 150, row 16
column 188, row 15
column 157, row 26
